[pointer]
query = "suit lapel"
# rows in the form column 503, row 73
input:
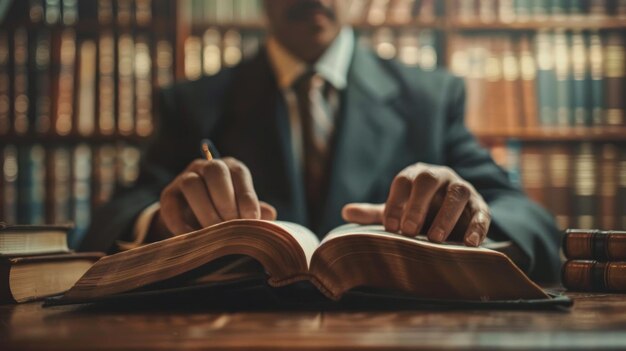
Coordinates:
column 369, row 132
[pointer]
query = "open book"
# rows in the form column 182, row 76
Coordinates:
column 350, row 256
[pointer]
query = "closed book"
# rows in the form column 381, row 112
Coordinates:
column 592, row 244
column 615, row 79
column 588, row 275
column 32, row 184
column 86, row 101
column 59, row 185
column 64, row 116
column 511, row 87
column 21, row 240
column 125, row 84
column 540, row 10
column 106, row 83
column 35, row 277
column 143, row 87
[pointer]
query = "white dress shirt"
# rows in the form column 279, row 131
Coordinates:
column 333, row 67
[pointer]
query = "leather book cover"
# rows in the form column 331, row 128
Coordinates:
column 587, row 275
column 607, row 186
column 528, row 74
column 595, row 245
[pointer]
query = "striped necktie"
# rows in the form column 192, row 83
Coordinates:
column 316, row 118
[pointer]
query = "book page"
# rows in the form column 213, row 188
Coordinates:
column 306, row 238
column 379, row 230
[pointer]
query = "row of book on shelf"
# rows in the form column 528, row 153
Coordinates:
column 520, row 11
column 65, row 81
column 372, row 12
column 582, row 184
column 551, row 79
column 62, row 184
column 72, row 12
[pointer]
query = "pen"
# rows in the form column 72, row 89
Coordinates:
column 208, row 150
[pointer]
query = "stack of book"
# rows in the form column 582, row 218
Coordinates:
column 596, row 260
column 35, row 262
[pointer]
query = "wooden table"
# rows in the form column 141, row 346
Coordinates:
column 597, row 321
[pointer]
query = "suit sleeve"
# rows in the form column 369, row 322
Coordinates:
column 166, row 155
column 514, row 216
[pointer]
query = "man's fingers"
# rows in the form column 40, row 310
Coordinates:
column 173, row 205
column 246, row 197
column 363, row 213
column 394, row 206
column 268, row 212
column 195, row 192
column 424, row 188
column 218, row 181
column 455, row 201
column 478, row 227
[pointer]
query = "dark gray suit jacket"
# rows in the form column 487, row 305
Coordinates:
column 391, row 116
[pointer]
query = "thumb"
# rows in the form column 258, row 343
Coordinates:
column 268, row 212
column 363, row 213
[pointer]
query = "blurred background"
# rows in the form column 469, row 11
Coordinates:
column 545, row 80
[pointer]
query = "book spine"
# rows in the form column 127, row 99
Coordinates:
column 193, row 57
column 596, row 72
column 86, row 102
column 20, row 82
column 607, row 183
column 106, row 83
column 579, row 103
column 70, row 12
column 532, row 164
column 31, row 182
column 104, row 174
column 164, row 63
column 60, row 185
column 408, row 47
column 585, row 182
column 528, row 76
column 5, row 84
column 546, row 79
column 506, row 11
column 583, row 275
column 232, row 48
column 523, row 9
column 597, row 8
column 125, row 84
column 540, row 10
column 143, row 87
column 615, row 80
column 43, row 104
column 81, row 193
column 10, row 172
column 621, row 189
column 559, row 189
column 63, row 119
column 511, row 86
column 595, row 245
column 562, row 70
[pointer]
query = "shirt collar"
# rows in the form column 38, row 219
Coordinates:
column 333, row 65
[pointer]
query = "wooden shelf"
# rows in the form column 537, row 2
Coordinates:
column 617, row 134
column 572, row 24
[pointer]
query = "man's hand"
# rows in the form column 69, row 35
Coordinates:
column 209, row 192
column 428, row 197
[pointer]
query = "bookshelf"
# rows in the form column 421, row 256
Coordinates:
column 121, row 51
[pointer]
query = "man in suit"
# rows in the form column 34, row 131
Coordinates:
column 316, row 128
